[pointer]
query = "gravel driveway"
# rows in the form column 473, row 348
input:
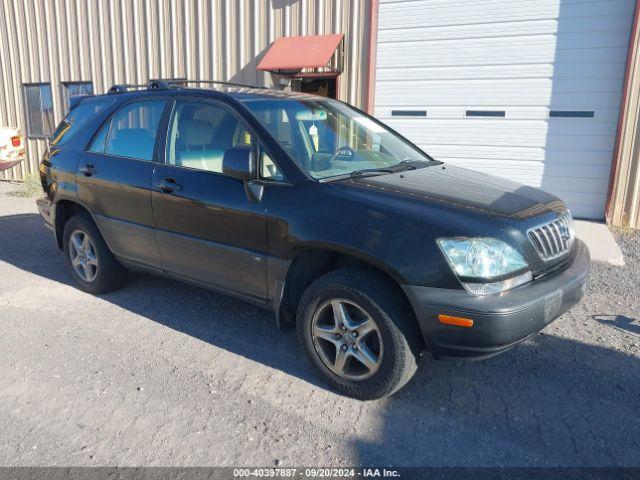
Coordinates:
column 160, row 373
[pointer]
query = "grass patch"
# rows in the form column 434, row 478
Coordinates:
column 29, row 187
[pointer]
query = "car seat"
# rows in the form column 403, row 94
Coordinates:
column 195, row 151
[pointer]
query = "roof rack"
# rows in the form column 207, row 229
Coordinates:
column 152, row 85
column 183, row 82
column 158, row 84
column 125, row 87
column 166, row 83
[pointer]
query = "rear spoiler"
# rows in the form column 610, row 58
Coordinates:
column 75, row 100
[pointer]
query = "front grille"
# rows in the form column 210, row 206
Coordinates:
column 554, row 239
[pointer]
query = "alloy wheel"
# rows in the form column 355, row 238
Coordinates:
column 83, row 256
column 347, row 339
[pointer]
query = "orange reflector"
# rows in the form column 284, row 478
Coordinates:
column 459, row 321
column 16, row 141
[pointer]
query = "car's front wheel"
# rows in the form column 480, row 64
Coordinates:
column 93, row 266
column 358, row 333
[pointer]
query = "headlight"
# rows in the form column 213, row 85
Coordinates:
column 485, row 265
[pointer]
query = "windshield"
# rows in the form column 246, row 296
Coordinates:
column 327, row 138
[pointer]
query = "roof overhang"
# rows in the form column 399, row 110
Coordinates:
column 294, row 54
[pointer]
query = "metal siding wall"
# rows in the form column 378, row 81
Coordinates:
column 131, row 41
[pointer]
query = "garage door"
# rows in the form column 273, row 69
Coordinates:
column 523, row 89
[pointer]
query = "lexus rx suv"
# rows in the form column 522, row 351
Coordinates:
column 316, row 211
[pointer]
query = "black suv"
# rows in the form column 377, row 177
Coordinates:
column 315, row 210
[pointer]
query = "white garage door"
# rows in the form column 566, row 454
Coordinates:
column 524, row 89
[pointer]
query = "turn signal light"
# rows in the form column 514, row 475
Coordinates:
column 458, row 321
column 16, row 141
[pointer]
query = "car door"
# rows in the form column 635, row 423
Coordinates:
column 115, row 176
column 208, row 230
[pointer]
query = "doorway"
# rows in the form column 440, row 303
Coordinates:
column 325, row 87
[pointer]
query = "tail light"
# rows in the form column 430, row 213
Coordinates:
column 16, row 141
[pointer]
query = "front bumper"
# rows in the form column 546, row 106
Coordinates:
column 500, row 321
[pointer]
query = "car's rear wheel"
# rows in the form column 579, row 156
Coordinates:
column 93, row 266
column 358, row 333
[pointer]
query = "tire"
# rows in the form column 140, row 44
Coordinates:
column 104, row 273
column 395, row 344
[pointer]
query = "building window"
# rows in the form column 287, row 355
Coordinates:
column 39, row 110
column 71, row 89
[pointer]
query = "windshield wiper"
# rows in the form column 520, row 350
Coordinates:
column 365, row 172
column 369, row 172
column 403, row 165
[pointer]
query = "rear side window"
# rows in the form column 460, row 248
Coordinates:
column 77, row 118
column 131, row 132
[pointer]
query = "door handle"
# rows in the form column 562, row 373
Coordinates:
column 168, row 185
column 88, row 169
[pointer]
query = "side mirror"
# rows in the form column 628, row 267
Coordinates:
column 238, row 163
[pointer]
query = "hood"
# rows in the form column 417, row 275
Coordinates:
column 467, row 189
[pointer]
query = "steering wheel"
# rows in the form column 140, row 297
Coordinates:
column 340, row 150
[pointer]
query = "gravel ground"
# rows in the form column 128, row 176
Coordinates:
column 160, row 373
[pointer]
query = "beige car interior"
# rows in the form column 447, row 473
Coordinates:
column 204, row 135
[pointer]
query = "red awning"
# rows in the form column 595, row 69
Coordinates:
column 296, row 53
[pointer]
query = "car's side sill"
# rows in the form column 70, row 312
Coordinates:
column 140, row 267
